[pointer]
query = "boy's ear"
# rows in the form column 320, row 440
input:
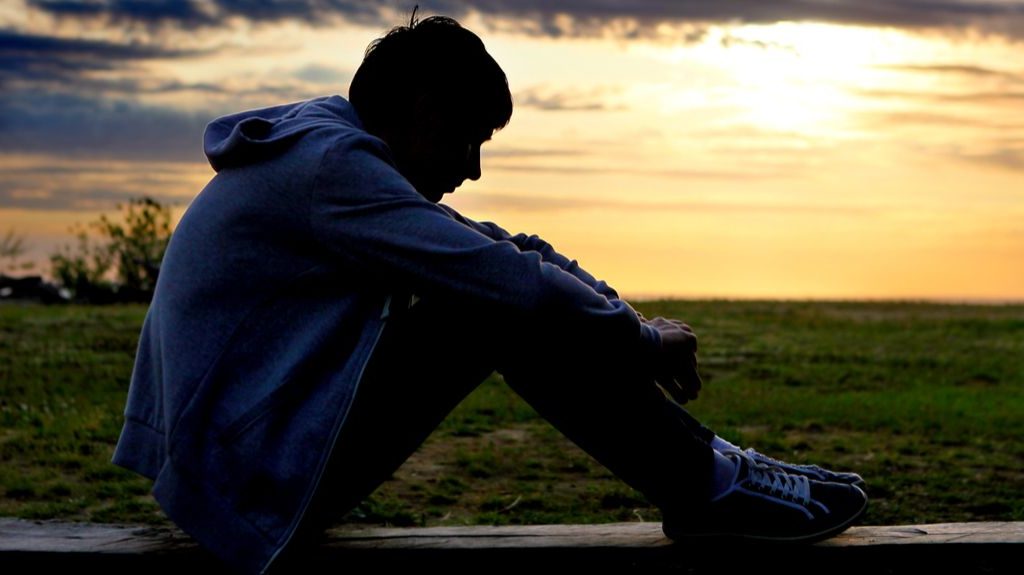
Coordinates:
column 428, row 115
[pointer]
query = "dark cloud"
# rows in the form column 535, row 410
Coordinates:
column 623, row 18
column 54, row 100
column 585, row 16
column 79, row 126
column 36, row 59
column 14, row 43
column 186, row 12
column 230, row 95
column 215, row 13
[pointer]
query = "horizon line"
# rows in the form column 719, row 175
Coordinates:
column 943, row 300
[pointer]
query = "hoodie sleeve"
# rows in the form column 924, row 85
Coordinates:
column 534, row 243
column 365, row 213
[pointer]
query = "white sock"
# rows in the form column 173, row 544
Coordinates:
column 719, row 444
column 725, row 475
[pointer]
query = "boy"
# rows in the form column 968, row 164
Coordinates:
column 318, row 313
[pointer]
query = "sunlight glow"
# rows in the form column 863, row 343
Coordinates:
column 778, row 160
column 790, row 77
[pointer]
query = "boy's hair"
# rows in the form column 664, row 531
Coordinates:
column 434, row 57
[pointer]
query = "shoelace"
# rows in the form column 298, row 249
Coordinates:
column 771, row 461
column 792, row 487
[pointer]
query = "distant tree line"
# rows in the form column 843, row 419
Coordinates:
column 112, row 259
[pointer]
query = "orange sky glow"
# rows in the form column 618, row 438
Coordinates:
column 671, row 155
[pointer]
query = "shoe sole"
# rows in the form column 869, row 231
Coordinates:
column 728, row 537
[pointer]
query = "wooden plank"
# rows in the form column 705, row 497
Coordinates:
column 988, row 547
column 635, row 535
column 18, row 535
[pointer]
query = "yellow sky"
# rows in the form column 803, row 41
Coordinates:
column 789, row 160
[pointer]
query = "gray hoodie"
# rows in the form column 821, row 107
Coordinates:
column 272, row 295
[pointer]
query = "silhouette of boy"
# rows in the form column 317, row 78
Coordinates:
column 319, row 313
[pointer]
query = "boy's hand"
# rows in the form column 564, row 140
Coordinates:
column 676, row 366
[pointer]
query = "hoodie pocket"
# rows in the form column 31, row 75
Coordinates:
column 282, row 394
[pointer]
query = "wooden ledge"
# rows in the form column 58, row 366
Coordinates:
column 992, row 547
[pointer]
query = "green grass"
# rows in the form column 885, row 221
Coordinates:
column 63, row 379
column 925, row 400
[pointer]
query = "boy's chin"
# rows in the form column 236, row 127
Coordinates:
column 436, row 194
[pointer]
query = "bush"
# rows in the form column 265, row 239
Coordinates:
column 124, row 263
column 12, row 248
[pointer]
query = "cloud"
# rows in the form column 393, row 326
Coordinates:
column 186, row 12
column 214, row 13
column 500, row 152
column 621, row 18
column 956, row 69
column 584, row 17
column 1008, row 158
column 36, row 56
column 753, row 173
column 12, row 197
column 993, row 142
column 59, row 96
column 730, row 40
column 888, row 119
column 982, row 97
column 541, row 98
column 520, row 202
column 78, row 66
column 81, row 126
column 60, row 183
column 317, row 74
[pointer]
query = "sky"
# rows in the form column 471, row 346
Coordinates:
column 822, row 149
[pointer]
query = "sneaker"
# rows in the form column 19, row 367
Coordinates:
column 766, row 504
column 809, row 471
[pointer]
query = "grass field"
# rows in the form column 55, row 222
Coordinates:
column 925, row 400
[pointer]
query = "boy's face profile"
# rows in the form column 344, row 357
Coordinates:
column 443, row 152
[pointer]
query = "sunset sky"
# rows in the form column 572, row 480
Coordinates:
column 740, row 149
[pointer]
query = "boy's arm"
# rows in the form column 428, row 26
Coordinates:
column 376, row 225
column 370, row 218
column 536, row 244
column 678, row 375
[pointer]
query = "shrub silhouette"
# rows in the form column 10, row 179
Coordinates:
column 121, row 260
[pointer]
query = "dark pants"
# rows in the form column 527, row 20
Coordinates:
column 433, row 355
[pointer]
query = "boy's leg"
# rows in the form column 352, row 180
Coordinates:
column 434, row 354
column 622, row 420
column 422, row 367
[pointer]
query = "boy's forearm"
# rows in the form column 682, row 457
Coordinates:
column 534, row 243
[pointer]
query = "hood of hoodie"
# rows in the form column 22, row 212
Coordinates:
column 256, row 135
